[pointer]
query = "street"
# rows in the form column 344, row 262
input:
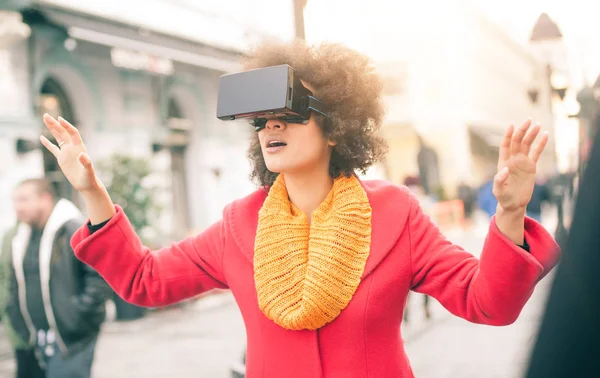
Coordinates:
column 204, row 338
column 200, row 340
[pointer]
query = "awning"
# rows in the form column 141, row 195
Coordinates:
column 489, row 136
column 85, row 27
column 155, row 50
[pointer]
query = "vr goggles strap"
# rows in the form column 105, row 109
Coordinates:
column 317, row 106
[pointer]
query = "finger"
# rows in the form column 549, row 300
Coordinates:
column 517, row 138
column 72, row 130
column 85, row 160
column 539, row 147
column 530, row 138
column 502, row 176
column 54, row 150
column 505, row 144
column 57, row 130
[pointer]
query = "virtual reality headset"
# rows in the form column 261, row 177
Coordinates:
column 258, row 95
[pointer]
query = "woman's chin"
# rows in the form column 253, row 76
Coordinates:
column 276, row 166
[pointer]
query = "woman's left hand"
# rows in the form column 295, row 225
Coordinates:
column 514, row 182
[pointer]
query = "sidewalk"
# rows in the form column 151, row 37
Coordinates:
column 200, row 339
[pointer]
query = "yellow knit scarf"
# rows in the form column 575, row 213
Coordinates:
column 306, row 274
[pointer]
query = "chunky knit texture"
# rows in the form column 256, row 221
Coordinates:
column 306, row 274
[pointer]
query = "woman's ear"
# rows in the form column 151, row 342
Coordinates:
column 331, row 143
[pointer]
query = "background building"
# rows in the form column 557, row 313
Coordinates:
column 452, row 87
column 133, row 85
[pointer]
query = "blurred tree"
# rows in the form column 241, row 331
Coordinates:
column 126, row 179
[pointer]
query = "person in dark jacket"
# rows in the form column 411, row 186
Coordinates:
column 468, row 196
column 56, row 304
column 568, row 343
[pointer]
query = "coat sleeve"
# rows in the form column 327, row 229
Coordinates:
column 491, row 290
column 152, row 278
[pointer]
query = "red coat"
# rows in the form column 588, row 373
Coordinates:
column 407, row 252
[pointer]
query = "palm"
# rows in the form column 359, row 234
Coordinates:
column 514, row 189
column 69, row 153
column 73, row 170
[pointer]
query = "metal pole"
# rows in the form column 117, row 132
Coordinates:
column 299, row 18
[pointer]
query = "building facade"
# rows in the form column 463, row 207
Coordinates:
column 454, row 81
column 129, row 90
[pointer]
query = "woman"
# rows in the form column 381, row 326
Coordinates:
column 319, row 262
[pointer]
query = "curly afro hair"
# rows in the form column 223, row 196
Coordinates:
column 346, row 81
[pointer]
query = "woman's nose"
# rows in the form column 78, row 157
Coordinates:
column 274, row 124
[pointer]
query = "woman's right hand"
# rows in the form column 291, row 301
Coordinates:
column 71, row 154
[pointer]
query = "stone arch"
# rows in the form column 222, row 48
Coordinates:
column 79, row 83
column 53, row 99
column 64, row 86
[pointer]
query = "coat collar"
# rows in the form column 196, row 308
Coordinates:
column 62, row 212
column 390, row 205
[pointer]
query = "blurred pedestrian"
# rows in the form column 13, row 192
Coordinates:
column 54, row 303
column 321, row 263
column 467, row 195
column 486, row 199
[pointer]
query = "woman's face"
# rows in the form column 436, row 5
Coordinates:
column 290, row 148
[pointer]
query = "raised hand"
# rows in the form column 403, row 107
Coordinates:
column 71, row 154
column 515, row 180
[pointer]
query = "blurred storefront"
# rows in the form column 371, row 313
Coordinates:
column 452, row 85
column 129, row 89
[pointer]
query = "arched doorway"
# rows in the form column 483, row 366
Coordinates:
column 177, row 140
column 54, row 100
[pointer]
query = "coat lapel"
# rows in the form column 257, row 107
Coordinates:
column 390, row 204
column 242, row 218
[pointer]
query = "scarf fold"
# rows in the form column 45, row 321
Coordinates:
column 306, row 274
